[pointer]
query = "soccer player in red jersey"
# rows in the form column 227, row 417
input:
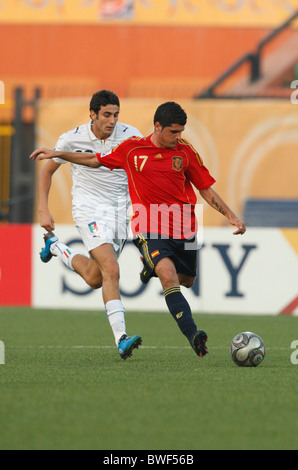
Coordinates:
column 161, row 170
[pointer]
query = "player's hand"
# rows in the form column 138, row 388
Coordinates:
column 47, row 221
column 42, row 154
column 240, row 225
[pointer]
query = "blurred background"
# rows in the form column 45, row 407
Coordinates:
column 231, row 64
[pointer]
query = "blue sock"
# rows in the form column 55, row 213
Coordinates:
column 180, row 311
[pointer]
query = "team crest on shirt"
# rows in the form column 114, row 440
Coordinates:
column 177, row 163
column 93, row 227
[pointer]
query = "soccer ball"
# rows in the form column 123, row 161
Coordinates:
column 247, row 349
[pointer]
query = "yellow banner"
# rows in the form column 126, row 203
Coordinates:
column 149, row 12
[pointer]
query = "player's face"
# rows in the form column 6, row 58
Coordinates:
column 168, row 136
column 105, row 121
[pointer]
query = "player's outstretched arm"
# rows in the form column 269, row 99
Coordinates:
column 215, row 201
column 87, row 159
column 44, row 186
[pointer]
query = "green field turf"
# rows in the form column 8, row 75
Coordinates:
column 63, row 385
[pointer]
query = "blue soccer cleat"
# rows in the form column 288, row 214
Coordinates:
column 127, row 344
column 45, row 254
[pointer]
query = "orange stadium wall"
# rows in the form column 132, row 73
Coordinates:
column 136, row 61
column 250, row 147
column 136, row 47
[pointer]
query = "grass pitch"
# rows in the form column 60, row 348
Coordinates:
column 63, row 385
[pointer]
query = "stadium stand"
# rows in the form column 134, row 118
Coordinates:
column 266, row 75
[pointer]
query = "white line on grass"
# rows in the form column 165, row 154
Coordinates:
column 113, row 347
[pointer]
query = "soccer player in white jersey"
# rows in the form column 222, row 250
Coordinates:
column 100, row 209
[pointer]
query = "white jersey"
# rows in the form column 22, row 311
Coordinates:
column 94, row 186
column 100, row 197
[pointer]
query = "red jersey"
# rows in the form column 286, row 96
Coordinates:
column 160, row 185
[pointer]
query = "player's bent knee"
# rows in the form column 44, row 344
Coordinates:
column 188, row 283
column 94, row 283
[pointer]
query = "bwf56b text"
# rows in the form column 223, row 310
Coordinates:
column 170, row 459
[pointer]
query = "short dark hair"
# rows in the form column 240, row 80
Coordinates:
column 170, row 113
column 103, row 98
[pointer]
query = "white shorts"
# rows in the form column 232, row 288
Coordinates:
column 95, row 233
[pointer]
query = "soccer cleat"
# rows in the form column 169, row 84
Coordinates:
column 127, row 344
column 147, row 273
column 198, row 343
column 49, row 239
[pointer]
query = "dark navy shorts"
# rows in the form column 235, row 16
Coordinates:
column 183, row 253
